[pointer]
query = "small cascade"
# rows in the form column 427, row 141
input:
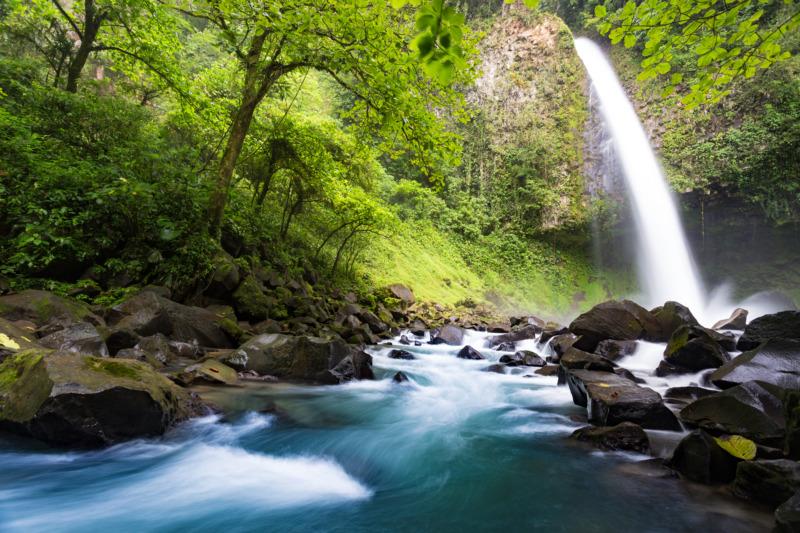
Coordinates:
column 666, row 267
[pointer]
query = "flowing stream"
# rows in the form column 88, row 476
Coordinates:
column 455, row 449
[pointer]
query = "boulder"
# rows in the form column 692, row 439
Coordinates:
column 78, row 338
column 683, row 396
column 783, row 325
column 692, row 349
column 506, row 347
column 618, row 320
column 294, row 357
column 401, row 354
column 776, row 361
column 771, row 481
column 753, row 410
column 547, row 370
column 418, row 327
column 468, row 352
column 497, row 368
column 148, row 313
column 42, row 307
column 528, row 332
column 375, row 324
column 615, row 350
column 560, row 344
column 498, row 327
column 404, row 340
column 576, row 359
column 624, row 436
column 791, row 414
column 698, row 457
column 209, row 371
column 79, row 400
column 529, row 358
column 402, row 293
column 552, row 331
column 610, row 399
column 670, row 317
column 737, row 320
column 121, row 339
column 250, row 301
column 225, row 278
column 787, row 516
column 451, row 335
column 356, row 366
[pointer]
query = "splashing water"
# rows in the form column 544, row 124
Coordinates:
column 666, row 268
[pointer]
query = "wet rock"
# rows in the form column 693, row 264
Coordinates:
column 753, row 410
column 560, row 344
column 670, row 317
column 618, row 320
column 156, row 348
column 776, row 361
column 418, row 327
column 611, row 399
column 209, row 371
column 787, row 516
column 120, row 339
column 529, row 358
column 355, row 366
column 404, row 340
column 294, row 357
column 552, row 331
column 506, row 347
column 401, row 354
column 767, row 481
column 498, row 327
column 42, row 307
column 737, row 320
column 451, row 335
column 80, row 400
column 147, row 314
column 783, row 325
column 528, row 332
column 468, row 352
column 496, row 368
column 576, row 359
column 692, row 349
column 14, row 339
column 685, row 395
column 78, row 338
column 698, row 457
column 791, row 414
column 625, row 436
column 400, row 377
column 615, row 350
column 548, row 370
column 627, row 374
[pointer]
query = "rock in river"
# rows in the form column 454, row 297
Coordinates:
column 692, row 349
column 776, row 361
column 698, row 457
column 610, row 399
column 783, row 325
column 767, row 481
column 79, row 400
column 618, row 320
column 468, row 352
column 625, row 436
column 451, row 335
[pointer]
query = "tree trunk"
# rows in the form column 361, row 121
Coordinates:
column 91, row 26
column 252, row 94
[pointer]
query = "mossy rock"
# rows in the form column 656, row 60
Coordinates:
column 250, row 300
column 14, row 339
column 43, row 307
column 80, row 400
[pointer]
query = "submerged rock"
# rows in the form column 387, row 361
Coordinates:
column 400, row 377
column 80, row 400
column 451, row 335
column 783, row 325
column 624, row 436
column 468, row 352
column 497, row 368
column 753, row 410
column 737, row 320
column 692, row 349
column 700, row 458
column 767, row 481
column 610, row 399
column 776, row 361
column 618, row 320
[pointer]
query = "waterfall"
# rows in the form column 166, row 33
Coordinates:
column 666, row 268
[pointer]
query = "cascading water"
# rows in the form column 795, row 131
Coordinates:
column 666, row 267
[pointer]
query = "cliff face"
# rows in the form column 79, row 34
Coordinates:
column 524, row 149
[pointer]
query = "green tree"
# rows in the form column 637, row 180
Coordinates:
column 363, row 45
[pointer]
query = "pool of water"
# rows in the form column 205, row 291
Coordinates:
column 456, row 449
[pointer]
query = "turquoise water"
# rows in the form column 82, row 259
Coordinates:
column 458, row 449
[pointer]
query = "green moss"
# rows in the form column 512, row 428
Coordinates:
column 116, row 369
column 24, row 385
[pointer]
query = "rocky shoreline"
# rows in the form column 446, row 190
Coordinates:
column 80, row 376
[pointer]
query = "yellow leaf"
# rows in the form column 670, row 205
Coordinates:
column 737, row 446
column 7, row 342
